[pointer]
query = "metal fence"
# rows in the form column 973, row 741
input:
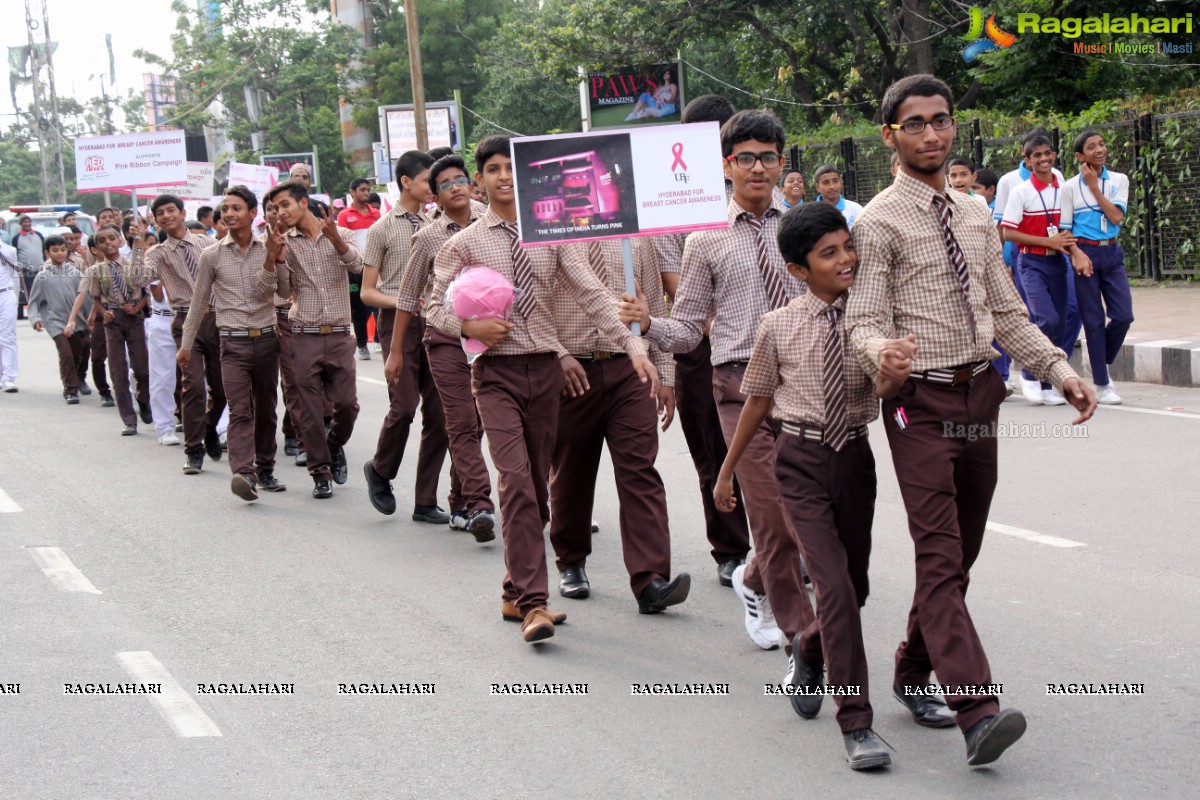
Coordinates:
column 1161, row 231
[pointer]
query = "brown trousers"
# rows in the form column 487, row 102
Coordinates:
column 72, row 359
column 415, row 387
column 947, row 485
column 99, row 355
column 617, row 409
column 287, row 378
column 250, row 374
column 470, row 483
column 775, row 568
column 728, row 532
column 128, row 331
column 830, row 498
column 203, row 370
column 518, row 399
column 324, row 366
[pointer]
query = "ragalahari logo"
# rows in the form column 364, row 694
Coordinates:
column 984, row 37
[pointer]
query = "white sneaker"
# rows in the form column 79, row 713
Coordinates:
column 168, row 438
column 378, row 347
column 1107, row 396
column 1052, row 398
column 8, row 387
column 760, row 620
column 1032, row 390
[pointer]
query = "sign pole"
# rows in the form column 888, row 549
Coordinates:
column 627, row 254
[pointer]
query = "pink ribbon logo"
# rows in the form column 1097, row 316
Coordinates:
column 677, row 151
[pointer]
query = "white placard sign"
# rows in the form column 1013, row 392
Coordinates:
column 255, row 177
column 130, row 161
column 199, row 184
column 614, row 184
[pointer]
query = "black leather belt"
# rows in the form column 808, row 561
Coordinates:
column 815, row 434
column 243, row 333
column 733, row 364
column 953, row 376
column 598, row 355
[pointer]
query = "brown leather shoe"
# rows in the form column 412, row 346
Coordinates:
column 538, row 625
column 510, row 612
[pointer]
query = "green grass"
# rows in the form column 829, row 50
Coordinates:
column 614, row 116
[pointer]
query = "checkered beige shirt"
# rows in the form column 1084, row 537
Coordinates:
column 389, row 245
column 245, row 292
column 426, row 244
column 317, row 275
column 96, row 283
column 486, row 244
column 906, row 284
column 166, row 262
column 789, row 360
column 579, row 333
column 721, row 280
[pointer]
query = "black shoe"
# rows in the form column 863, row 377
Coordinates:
column 992, row 735
column 809, row 677
column 337, row 464
column 72, row 399
column 725, row 570
column 659, row 593
column 178, row 425
column 302, row 459
column 595, row 526
column 195, row 462
column 84, row 389
column 243, row 487
column 864, row 750
column 269, row 483
column 212, row 444
column 926, row 709
column 481, row 524
column 106, row 400
column 432, row 514
column 129, row 430
column 289, row 446
column 145, row 413
column 322, row 488
column 573, row 583
column 379, row 490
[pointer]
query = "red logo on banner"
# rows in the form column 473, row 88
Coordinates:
column 94, row 164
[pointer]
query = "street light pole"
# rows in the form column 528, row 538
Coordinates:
column 414, row 65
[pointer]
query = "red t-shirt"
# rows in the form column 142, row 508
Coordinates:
column 351, row 219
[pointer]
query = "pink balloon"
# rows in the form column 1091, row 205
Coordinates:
column 480, row 293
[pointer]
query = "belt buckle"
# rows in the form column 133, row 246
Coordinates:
column 961, row 375
column 1104, row 243
column 601, row 355
column 254, row 332
column 325, row 329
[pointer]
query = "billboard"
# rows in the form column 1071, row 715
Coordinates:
column 649, row 95
column 130, row 161
column 398, row 127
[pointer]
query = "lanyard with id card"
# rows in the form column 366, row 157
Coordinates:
column 1051, row 228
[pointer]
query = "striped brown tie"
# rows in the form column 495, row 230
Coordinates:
column 772, row 282
column 596, row 259
column 522, row 272
column 189, row 258
column 118, row 282
column 957, row 259
column 833, row 381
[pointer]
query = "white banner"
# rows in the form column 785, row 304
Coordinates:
column 199, row 184
column 255, row 177
column 130, row 161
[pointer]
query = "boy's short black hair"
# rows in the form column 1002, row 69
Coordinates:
column 165, row 199
column 203, row 211
column 373, row 199
column 73, row 229
column 960, row 161
column 987, row 178
column 91, row 241
column 440, row 152
column 751, row 124
column 1032, row 132
column 53, row 241
column 494, row 145
column 162, row 236
column 1082, row 138
column 247, row 196
column 216, row 215
column 444, row 163
column 412, row 163
column 196, row 225
column 708, row 108
column 825, row 169
column 357, row 182
column 921, row 85
column 790, row 170
column 293, row 188
column 803, row 226
column 1034, row 142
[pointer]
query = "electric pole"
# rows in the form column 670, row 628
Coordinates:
column 414, row 65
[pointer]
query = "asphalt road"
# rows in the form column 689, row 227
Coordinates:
column 189, row 585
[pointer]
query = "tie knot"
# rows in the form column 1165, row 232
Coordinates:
column 755, row 222
column 510, row 229
column 833, row 314
column 939, row 199
column 413, row 218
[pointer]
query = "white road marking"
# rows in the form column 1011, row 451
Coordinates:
column 7, row 504
column 375, row 381
column 174, row 703
column 1156, row 411
column 1033, row 536
column 61, row 571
